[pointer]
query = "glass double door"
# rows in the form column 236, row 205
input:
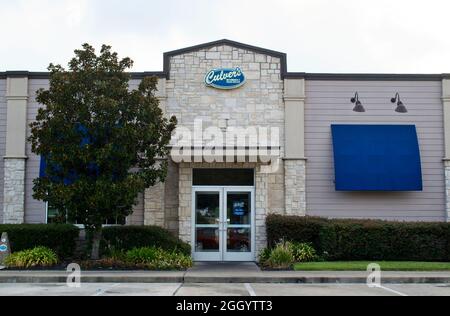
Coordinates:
column 223, row 224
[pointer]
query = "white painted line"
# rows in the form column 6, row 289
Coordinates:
column 391, row 290
column 250, row 290
column 101, row 292
column 178, row 289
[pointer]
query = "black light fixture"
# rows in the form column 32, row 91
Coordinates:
column 401, row 108
column 358, row 105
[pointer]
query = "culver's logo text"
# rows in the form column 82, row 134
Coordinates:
column 225, row 78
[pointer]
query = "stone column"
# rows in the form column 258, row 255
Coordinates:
column 446, row 104
column 295, row 186
column 185, row 202
column 261, row 205
column 15, row 158
column 295, row 161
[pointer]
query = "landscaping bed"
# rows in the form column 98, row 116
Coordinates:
column 122, row 248
column 361, row 240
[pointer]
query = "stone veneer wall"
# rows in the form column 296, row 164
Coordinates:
column 295, row 187
column 154, row 206
column 161, row 202
column 258, row 103
column 447, row 189
column 14, row 191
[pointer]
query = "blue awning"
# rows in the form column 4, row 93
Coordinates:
column 377, row 158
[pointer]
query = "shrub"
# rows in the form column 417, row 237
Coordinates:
column 281, row 257
column 303, row 252
column 170, row 261
column 264, row 255
column 129, row 237
column 142, row 255
column 61, row 238
column 158, row 259
column 365, row 239
column 146, row 258
column 36, row 257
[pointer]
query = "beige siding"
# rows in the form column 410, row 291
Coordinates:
column 34, row 210
column 328, row 102
column 3, row 110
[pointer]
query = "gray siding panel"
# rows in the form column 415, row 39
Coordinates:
column 35, row 211
column 3, row 113
column 328, row 102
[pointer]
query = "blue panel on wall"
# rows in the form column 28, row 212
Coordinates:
column 377, row 158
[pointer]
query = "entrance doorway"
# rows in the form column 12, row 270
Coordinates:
column 223, row 223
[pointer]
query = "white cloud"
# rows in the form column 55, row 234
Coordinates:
column 318, row 35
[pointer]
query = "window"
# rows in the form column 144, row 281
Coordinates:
column 55, row 216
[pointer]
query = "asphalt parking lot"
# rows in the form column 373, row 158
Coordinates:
column 187, row 289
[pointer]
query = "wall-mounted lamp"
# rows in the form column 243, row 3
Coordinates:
column 401, row 108
column 358, row 105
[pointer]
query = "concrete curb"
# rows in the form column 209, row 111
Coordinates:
column 189, row 277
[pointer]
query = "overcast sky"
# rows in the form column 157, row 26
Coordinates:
column 380, row 36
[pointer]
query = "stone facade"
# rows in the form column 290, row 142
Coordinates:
column 258, row 103
column 295, row 187
column 161, row 202
column 14, row 191
column 154, row 206
column 185, row 202
column 447, row 188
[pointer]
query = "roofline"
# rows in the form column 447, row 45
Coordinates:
column 366, row 77
column 46, row 75
column 289, row 75
column 165, row 73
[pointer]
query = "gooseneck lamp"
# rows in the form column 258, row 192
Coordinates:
column 401, row 108
column 358, row 105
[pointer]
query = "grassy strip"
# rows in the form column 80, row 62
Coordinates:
column 362, row 266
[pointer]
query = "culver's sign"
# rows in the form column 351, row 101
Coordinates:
column 225, row 78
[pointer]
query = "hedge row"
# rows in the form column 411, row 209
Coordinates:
column 365, row 239
column 129, row 237
column 59, row 238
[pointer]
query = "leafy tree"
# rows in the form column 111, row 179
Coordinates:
column 101, row 140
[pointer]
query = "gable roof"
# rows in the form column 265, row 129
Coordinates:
column 222, row 42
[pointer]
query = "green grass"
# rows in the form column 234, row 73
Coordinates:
column 362, row 266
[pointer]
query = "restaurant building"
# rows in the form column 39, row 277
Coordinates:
column 332, row 145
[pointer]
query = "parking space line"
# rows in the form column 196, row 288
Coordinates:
column 178, row 289
column 391, row 290
column 250, row 289
column 101, row 292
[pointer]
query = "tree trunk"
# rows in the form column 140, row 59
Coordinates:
column 96, row 238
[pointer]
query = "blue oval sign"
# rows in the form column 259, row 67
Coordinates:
column 3, row 248
column 225, row 78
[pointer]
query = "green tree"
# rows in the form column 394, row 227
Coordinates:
column 102, row 141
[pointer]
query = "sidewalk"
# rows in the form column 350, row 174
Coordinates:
column 224, row 273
